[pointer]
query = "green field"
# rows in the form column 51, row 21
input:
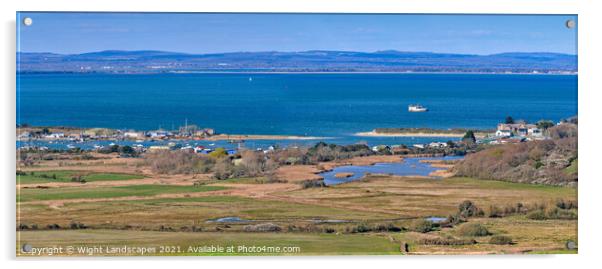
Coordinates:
column 319, row 221
column 307, row 243
column 26, row 195
column 189, row 211
column 67, row 176
column 422, row 197
column 547, row 237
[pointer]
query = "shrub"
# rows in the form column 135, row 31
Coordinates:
column 362, row 228
column 53, row 226
column 469, row 209
column 77, row 225
column 421, row 226
column 313, row 183
column 545, row 124
column 447, row 241
column 500, row 240
column 386, row 228
column 473, row 229
column 323, row 152
column 557, row 213
column 178, row 162
column 223, row 169
column 452, row 220
column 78, row 178
column 330, row 230
column 495, row 212
column 218, row 153
column 256, row 163
column 263, row 227
column 537, row 215
column 562, row 204
column 310, row 228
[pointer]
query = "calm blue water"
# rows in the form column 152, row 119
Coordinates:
column 334, row 105
column 228, row 220
column 436, row 219
column 408, row 167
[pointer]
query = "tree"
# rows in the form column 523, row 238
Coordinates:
column 451, row 144
column 469, row 137
column 545, row 124
column 218, row 153
column 114, row 148
column 127, row 150
column 509, row 120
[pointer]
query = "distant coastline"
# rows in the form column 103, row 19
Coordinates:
column 317, row 61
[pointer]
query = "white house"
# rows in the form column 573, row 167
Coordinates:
column 159, row 134
column 503, row 133
column 536, row 132
column 55, row 135
column 437, row 145
column 132, row 135
column 521, row 129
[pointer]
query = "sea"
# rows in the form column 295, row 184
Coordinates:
column 332, row 106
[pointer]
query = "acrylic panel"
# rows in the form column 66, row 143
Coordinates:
column 154, row 134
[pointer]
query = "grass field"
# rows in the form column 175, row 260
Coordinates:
column 178, row 212
column 307, row 243
column 412, row 197
column 548, row 236
column 319, row 221
column 27, row 195
column 67, row 176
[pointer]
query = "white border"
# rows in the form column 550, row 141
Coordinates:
column 590, row 138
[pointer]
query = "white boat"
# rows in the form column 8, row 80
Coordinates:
column 417, row 108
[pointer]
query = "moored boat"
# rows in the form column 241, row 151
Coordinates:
column 417, row 108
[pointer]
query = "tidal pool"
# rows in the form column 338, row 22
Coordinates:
column 407, row 167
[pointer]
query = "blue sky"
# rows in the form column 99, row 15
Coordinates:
column 211, row 33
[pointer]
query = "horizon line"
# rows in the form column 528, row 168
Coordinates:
column 298, row 51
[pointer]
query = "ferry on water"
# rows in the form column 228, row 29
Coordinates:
column 417, row 108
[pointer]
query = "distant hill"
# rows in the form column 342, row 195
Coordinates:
column 305, row 61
